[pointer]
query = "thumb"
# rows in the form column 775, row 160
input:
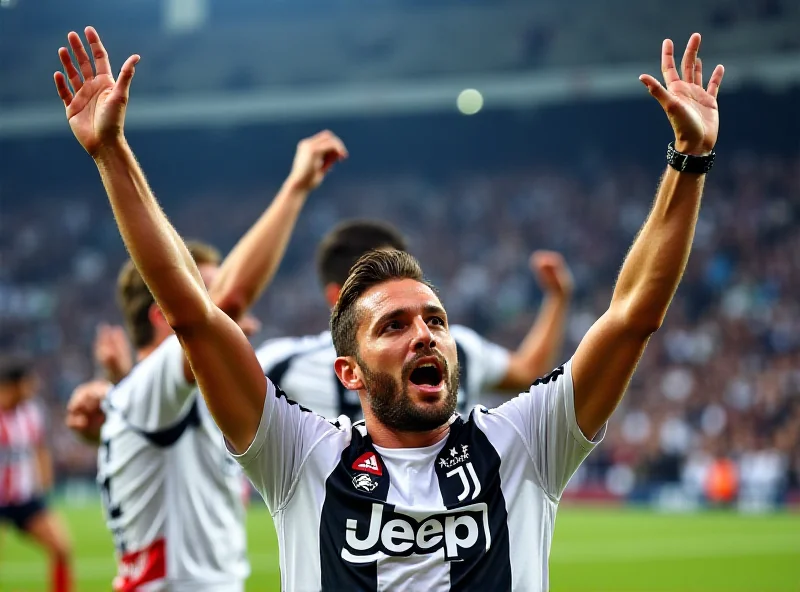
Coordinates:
column 123, row 84
column 657, row 90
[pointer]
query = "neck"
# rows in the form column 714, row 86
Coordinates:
column 383, row 435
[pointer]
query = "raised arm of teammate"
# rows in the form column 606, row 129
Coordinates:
column 224, row 364
column 254, row 260
column 607, row 356
column 537, row 353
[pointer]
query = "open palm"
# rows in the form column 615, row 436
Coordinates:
column 96, row 104
column 692, row 109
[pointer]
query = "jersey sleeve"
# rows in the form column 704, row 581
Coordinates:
column 156, row 394
column 483, row 364
column 544, row 418
column 285, row 437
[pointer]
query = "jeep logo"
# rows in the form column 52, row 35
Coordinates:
column 401, row 535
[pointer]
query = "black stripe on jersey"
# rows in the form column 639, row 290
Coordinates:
column 554, row 375
column 347, row 511
column 280, row 394
column 463, row 377
column 169, row 436
column 468, row 469
column 276, row 372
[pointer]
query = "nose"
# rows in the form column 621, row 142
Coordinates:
column 423, row 338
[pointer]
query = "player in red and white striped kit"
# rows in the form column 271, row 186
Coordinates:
column 26, row 470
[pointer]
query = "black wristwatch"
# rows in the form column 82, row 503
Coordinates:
column 686, row 163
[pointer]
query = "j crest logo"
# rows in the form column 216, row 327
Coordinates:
column 457, row 459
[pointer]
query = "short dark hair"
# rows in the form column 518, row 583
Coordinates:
column 14, row 368
column 135, row 299
column 370, row 270
column 347, row 242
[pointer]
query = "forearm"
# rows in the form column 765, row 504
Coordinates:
column 545, row 338
column 155, row 247
column 537, row 353
column 252, row 263
column 655, row 263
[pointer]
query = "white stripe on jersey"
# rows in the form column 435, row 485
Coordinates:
column 21, row 433
column 474, row 511
column 303, row 368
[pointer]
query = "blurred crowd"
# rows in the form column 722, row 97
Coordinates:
column 713, row 411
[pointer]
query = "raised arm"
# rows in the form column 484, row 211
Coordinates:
column 607, row 356
column 537, row 353
column 223, row 362
column 252, row 263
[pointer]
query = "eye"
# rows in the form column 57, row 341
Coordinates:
column 393, row 326
column 439, row 321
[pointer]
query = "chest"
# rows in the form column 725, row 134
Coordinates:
column 20, row 431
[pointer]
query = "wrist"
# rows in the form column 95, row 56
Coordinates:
column 691, row 149
column 296, row 188
column 112, row 148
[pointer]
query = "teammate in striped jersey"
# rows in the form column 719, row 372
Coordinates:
column 26, row 472
column 416, row 497
column 303, row 367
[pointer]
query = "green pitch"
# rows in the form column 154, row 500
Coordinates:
column 595, row 550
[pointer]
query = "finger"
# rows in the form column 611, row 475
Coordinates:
column 698, row 72
column 328, row 141
column 62, row 88
column 715, row 80
column 84, row 63
column 69, row 68
column 668, row 69
column 102, row 64
column 660, row 93
column 123, row 86
column 689, row 58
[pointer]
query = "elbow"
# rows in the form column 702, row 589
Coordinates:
column 234, row 304
column 190, row 315
column 638, row 319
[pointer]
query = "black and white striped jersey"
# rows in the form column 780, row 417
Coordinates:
column 171, row 493
column 303, row 368
column 476, row 511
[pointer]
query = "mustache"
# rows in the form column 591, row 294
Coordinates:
column 408, row 367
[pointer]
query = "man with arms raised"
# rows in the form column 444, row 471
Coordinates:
column 172, row 494
column 415, row 497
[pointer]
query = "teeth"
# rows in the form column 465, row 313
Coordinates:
column 428, row 365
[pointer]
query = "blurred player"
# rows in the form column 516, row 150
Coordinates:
column 26, row 471
column 415, row 497
column 303, row 367
column 172, row 494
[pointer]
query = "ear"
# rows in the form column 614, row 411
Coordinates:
column 332, row 293
column 156, row 318
column 346, row 371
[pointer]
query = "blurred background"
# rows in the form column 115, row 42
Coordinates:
column 560, row 148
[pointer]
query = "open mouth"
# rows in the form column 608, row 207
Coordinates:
column 426, row 374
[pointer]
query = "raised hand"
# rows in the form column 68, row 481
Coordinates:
column 692, row 109
column 96, row 103
column 552, row 273
column 314, row 158
column 113, row 352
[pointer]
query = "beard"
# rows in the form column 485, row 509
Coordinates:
column 393, row 406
